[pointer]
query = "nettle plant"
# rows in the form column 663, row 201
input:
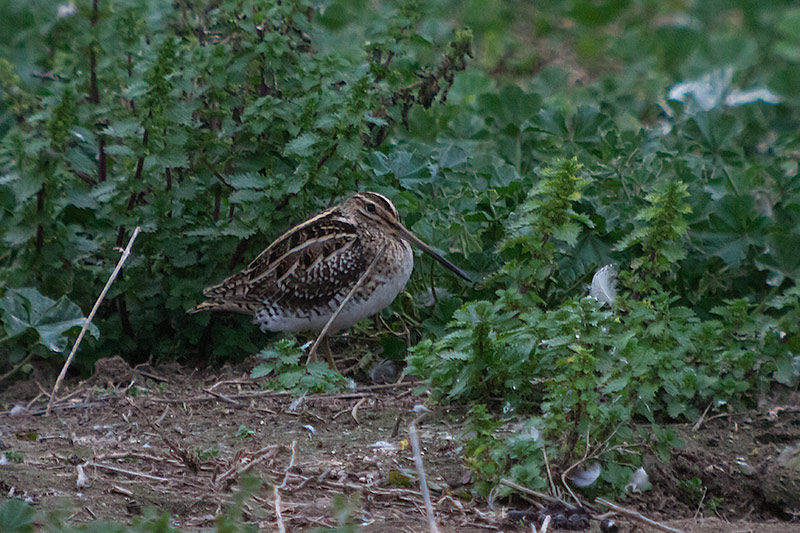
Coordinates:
column 595, row 382
column 212, row 125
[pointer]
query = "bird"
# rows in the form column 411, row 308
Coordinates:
column 300, row 280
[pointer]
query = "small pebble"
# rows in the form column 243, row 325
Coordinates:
column 608, row 526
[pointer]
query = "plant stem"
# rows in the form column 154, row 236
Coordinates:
column 17, row 366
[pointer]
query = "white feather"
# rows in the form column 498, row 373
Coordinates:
column 604, row 284
column 584, row 478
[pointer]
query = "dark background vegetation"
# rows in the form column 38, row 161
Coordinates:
column 532, row 142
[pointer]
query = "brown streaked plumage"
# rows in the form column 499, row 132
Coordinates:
column 300, row 280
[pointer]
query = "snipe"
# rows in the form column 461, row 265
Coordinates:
column 301, row 279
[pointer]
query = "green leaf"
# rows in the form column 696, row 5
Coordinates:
column 124, row 128
column 264, row 369
column 26, row 309
column 246, row 180
column 568, row 233
column 782, row 259
column 302, row 145
column 16, row 516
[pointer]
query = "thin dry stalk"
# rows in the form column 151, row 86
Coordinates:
column 536, row 493
column 111, row 279
column 177, row 451
column 700, row 505
column 549, row 474
column 276, row 492
column 637, row 516
column 313, row 351
column 702, row 418
column 423, row 483
column 223, row 397
column 545, row 524
column 127, row 472
column 354, row 412
column 258, row 457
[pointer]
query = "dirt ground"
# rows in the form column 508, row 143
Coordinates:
column 180, row 440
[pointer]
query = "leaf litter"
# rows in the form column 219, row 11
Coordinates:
column 167, row 438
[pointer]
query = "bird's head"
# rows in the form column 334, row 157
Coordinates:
column 376, row 209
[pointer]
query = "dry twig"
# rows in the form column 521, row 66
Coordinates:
column 549, row 474
column 537, row 494
column 88, row 321
column 258, row 457
column 637, row 516
column 423, row 483
column 545, row 524
column 354, row 412
column 275, row 491
column 223, row 397
column 127, row 472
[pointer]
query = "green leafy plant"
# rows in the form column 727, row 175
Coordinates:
column 213, row 130
column 243, row 432
column 588, row 373
column 285, row 362
column 33, row 324
column 16, row 516
column 580, row 134
column 13, row 456
column 25, row 311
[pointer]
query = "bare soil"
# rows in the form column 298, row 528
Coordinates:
column 180, row 440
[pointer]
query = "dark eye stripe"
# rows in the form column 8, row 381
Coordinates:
column 383, row 202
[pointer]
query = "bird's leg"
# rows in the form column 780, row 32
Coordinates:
column 328, row 354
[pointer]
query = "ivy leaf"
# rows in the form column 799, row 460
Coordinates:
column 26, row 309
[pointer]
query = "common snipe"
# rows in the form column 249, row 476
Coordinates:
column 301, row 279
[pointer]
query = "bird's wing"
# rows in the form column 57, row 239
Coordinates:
column 307, row 267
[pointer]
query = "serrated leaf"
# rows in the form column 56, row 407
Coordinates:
column 290, row 379
column 118, row 150
column 246, row 180
column 302, row 145
column 124, row 128
column 264, row 369
column 172, row 159
column 350, row 148
column 245, row 195
column 568, row 233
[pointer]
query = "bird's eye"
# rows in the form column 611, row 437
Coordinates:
column 371, row 208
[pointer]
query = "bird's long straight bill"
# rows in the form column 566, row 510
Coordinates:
column 413, row 239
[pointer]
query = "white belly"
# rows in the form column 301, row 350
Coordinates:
column 387, row 286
